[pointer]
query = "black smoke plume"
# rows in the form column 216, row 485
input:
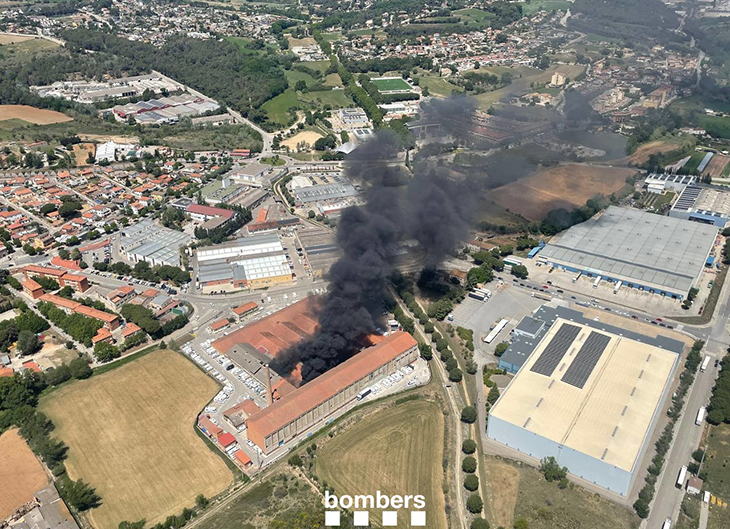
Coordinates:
column 433, row 210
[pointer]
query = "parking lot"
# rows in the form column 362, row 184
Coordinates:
column 507, row 302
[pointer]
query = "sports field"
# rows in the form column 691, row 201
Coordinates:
column 391, row 84
column 21, row 474
column 397, row 451
column 130, row 435
column 564, row 186
column 37, row 116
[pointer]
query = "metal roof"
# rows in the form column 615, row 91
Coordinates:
column 632, row 245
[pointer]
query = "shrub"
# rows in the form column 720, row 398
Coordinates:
column 471, row 482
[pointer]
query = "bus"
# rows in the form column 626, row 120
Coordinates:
column 481, row 296
column 700, row 416
column 682, row 476
column 577, row 277
column 489, row 338
column 705, row 363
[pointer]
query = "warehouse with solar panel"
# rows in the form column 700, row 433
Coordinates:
column 589, row 394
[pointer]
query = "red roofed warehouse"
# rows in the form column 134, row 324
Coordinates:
column 295, row 413
column 203, row 213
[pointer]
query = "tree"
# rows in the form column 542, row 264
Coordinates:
column 493, row 395
column 27, row 342
column 311, row 214
column 469, row 465
column 479, row 523
column 426, row 351
column 642, row 508
column 500, row 348
column 471, row 482
column 520, row 271
column 201, row 502
column 474, row 504
column 521, row 523
column 79, row 494
column 468, row 414
column 132, row 525
column 468, row 446
column 296, row 461
column 105, row 352
column 455, row 375
column 552, row 470
column 79, row 368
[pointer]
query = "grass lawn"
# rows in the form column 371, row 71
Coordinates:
column 281, row 498
column 387, row 85
column 130, row 435
column 295, row 75
column 691, row 166
column 333, row 79
column 546, row 506
column 545, row 5
column 334, row 98
column 726, row 171
column 522, row 77
column 397, row 451
column 276, row 107
column 717, row 462
column 331, row 37
column 662, row 199
column 275, row 161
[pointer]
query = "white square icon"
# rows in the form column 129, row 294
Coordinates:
column 418, row 518
column 332, row 518
column 361, row 519
column 390, row 518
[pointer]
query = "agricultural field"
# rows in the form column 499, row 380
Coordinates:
column 717, row 166
column 520, row 491
column 564, row 186
column 276, row 108
column 36, row 116
column 391, row 84
column 316, row 65
column 130, row 435
column 691, row 166
column 388, row 451
column 6, row 38
column 306, row 41
column 21, row 474
column 295, row 75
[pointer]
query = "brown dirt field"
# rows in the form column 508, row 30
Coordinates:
column 101, row 138
column 12, row 39
column 717, row 165
column 502, row 496
column 642, row 154
column 564, row 186
column 37, row 116
column 308, row 136
column 306, row 41
column 21, row 474
column 81, row 152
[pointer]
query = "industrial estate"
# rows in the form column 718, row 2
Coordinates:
column 268, row 265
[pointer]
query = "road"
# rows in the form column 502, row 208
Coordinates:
column 266, row 137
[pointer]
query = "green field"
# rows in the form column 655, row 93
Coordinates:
column 397, row 451
column 534, row 6
column 691, row 166
column 316, row 65
column 438, row 86
column 717, row 462
column 276, row 108
column 333, row 98
column 333, row 79
column 295, row 75
column 392, row 84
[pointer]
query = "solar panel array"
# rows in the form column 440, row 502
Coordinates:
column 555, row 350
column 586, row 359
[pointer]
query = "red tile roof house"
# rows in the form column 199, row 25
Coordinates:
column 226, row 440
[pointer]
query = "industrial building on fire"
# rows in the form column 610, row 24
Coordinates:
column 587, row 394
column 661, row 255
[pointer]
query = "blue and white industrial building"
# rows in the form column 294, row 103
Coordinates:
column 588, row 394
column 703, row 203
column 653, row 253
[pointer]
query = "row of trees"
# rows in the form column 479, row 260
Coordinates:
column 144, row 272
column 80, row 328
column 662, row 445
column 18, row 400
column 719, row 408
